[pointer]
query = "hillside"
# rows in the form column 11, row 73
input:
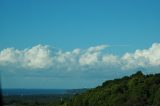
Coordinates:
column 135, row 90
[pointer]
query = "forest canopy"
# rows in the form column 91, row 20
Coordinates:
column 135, row 90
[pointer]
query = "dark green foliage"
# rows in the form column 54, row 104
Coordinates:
column 136, row 90
column 40, row 99
column 36, row 100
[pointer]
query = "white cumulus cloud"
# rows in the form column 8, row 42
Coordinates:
column 42, row 57
column 143, row 58
column 36, row 57
column 91, row 55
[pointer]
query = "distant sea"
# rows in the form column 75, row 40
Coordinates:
column 10, row 92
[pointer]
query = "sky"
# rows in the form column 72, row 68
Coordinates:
column 76, row 44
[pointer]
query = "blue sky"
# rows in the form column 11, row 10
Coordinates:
column 123, row 25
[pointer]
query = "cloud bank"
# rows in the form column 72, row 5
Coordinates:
column 43, row 57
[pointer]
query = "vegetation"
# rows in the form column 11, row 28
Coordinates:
column 136, row 90
column 15, row 97
column 36, row 100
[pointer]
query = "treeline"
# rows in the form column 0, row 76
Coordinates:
column 136, row 90
column 36, row 100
